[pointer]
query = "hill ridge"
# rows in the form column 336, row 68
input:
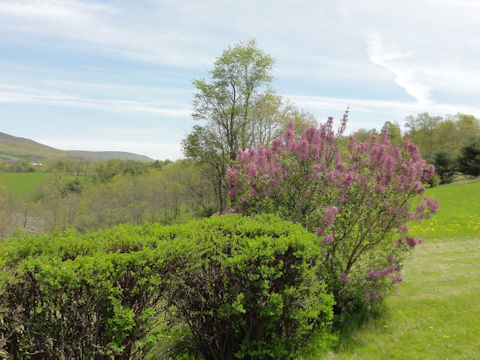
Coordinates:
column 14, row 147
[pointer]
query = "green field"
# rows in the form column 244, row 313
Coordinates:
column 23, row 183
column 458, row 215
column 437, row 315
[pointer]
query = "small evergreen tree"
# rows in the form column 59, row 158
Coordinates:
column 445, row 166
column 469, row 159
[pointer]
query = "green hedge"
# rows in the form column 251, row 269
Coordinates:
column 252, row 290
column 72, row 297
column 234, row 287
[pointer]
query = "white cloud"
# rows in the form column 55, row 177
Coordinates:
column 428, row 49
column 125, row 131
column 52, row 9
column 126, row 89
column 397, row 61
column 472, row 4
column 25, row 95
column 106, row 27
column 317, row 40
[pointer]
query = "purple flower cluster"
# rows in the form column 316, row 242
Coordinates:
column 225, row 212
column 377, row 274
column 328, row 239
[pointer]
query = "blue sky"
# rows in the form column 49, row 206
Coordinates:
column 117, row 75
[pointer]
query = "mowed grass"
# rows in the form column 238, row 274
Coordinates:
column 23, row 183
column 458, row 215
column 437, row 315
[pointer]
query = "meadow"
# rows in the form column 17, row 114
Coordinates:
column 436, row 314
column 23, row 183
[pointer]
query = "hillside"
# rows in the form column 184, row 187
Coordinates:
column 13, row 148
column 106, row 155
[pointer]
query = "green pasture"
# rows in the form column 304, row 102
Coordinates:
column 25, row 183
column 437, row 312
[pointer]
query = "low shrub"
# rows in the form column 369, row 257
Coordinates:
column 222, row 288
column 71, row 299
column 251, row 291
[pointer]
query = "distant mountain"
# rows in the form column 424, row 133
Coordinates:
column 15, row 148
column 12, row 146
column 106, row 155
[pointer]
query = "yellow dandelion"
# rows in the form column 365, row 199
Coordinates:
column 385, row 326
column 446, row 336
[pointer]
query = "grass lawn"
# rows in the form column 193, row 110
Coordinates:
column 458, row 215
column 437, row 315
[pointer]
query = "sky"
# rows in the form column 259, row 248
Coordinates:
column 117, row 75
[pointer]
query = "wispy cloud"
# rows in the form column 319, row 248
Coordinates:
column 471, row 4
column 135, row 59
column 25, row 95
column 396, row 60
column 105, row 26
column 52, row 9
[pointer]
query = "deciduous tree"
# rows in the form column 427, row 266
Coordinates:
column 225, row 101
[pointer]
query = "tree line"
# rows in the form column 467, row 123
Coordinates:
column 239, row 110
column 451, row 143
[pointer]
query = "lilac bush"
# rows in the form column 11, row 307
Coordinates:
column 359, row 198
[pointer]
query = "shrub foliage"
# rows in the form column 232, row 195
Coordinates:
column 83, row 297
column 238, row 287
column 227, row 287
column 252, row 290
